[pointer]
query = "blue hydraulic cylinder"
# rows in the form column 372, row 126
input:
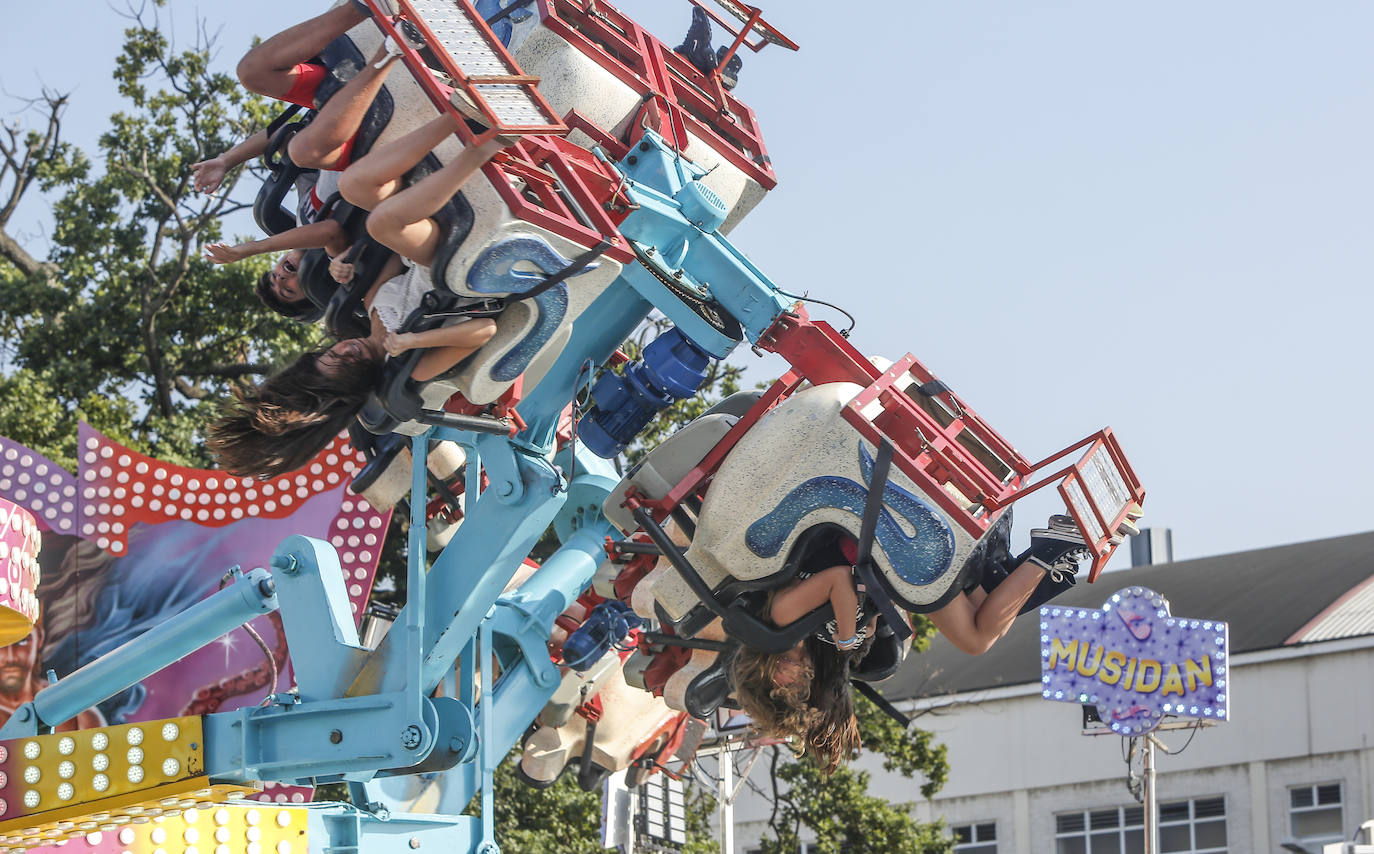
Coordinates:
column 250, row 595
column 671, row 368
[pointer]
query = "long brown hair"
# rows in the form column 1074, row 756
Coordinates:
column 817, row 710
column 281, row 424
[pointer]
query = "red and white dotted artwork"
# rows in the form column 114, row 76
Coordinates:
column 116, row 487
column 119, row 487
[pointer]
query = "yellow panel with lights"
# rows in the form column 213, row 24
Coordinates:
column 223, row 829
column 52, row 784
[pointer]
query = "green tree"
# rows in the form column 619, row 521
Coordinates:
column 125, row 324
column 838, row 808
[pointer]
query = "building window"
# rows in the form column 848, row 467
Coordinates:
column 1315, row 816
column 1193, row 827
column 1118, row 830
column 978, row 838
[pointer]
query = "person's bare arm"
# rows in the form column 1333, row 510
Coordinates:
column 445, row 346
column 834, row 585
column 325, row 234
column 207, row 175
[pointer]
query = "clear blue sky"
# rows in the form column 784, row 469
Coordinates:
column 1152, row 216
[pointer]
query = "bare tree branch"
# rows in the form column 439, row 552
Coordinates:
column 24, row 154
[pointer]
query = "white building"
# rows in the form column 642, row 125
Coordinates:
column 1293, row 767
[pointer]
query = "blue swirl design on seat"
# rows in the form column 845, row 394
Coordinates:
column 919, row 559
column 494, row 270
column 493, row 273
column 551, row 307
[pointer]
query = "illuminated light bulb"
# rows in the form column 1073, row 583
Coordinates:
column 100, row 762
column 170, row 767
column 32, row 774
column 222, row 834
column 65, row 791
column 66, row 769
column 192, row 836
column 191, row 816
column 135, row 755
column 170, row 731
column 253, row 848
column 283, row 847
column 66, row 745
column 31, row 750
column 221, row 816
column 159, row 835
column 135, row 774
column 134, row 735
column 100, row 741
column 283, row 818
column 253, row 834
column 252, row 817
column 221, row 849
column 31, row 799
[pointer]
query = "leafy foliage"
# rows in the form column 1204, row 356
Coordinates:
column 838, row 808
column 126, row 324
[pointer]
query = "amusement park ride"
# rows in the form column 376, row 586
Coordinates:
column 632, row 167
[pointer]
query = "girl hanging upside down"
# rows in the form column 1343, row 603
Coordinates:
column 805, row 692
column 282, row 423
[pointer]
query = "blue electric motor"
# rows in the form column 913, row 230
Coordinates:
column 671, row 368
column 607, row 625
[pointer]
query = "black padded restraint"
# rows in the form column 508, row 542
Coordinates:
column 578, row 265
column 863, row 563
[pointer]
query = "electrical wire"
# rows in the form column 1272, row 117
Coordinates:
column 587, row 367
column 262, row 644
column 1192, row 732
column 804, row 298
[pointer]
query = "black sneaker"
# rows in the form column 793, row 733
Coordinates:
column 1056, row 549
column 729, row 75
column 696, row 45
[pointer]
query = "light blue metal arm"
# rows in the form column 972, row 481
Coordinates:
column 250, row 595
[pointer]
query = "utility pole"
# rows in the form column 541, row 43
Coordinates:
column 726, row 795
column 1151, row 800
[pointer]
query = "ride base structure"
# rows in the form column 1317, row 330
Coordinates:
column 636, row 166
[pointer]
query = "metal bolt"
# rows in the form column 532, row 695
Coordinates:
column 286, row 563
column 632, row 160
column 267, row 587
column 410, row 737
column 678, row 274
column 644, row 146
column 414, row 842
column 335, row 736
column 649, row 251
column 456, row 744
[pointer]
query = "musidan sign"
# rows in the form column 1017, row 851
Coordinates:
column 1134, row 661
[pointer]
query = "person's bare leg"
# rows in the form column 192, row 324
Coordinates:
column 374, row 177
column 321, row 144
column 402, row 221
column 269, row 68
column 974, row 625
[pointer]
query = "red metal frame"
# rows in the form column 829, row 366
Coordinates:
column 647, row 66
column 927, row 452
column 540, row 161
column 546, row 163
column 469, row 84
